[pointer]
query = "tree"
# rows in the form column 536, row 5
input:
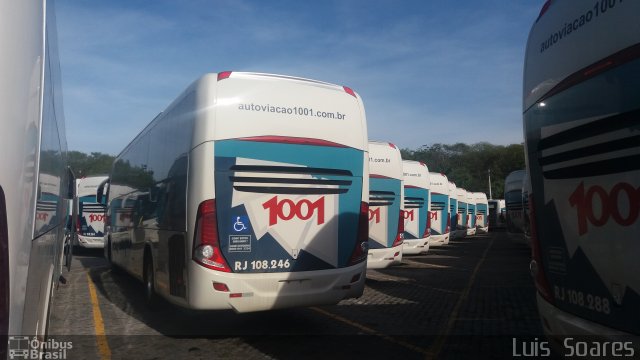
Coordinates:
column 95, row 163
column 469, row 165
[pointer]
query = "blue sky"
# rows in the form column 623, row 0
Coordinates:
column 428, row 71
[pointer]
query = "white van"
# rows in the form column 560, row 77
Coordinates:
column 439, row 214
column 386, row 220
column 416, row 207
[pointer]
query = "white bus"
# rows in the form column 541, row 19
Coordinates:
column 249, row 192
column 35, row 183
column 386, row 194
column 461, row 228
column 439, row 214
column 581, row 111
column 471, row 211
column 497, row 213
column 513, row 202
column 453, row 210
column 482, row 209
column 416, row 207
column 91, row 214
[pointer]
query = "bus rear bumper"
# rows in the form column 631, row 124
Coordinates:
column 250, row 292
column 559, row 326
column 90, row 242
column 437, row 240
column 482, row 230
column 383, row 258
column 415, row 246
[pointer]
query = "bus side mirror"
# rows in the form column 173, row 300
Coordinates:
column 71, row 183
column 101, row 197
column 70, row 234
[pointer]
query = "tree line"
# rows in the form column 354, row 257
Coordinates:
column 466, row 165
column 469, row 166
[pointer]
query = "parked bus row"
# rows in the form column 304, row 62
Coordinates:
column 241, row 196
column 411, row 209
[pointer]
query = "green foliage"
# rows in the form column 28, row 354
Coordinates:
column 469, row 165
column 95, row 163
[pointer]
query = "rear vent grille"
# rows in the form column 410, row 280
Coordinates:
column 437, row 205
column 605, row 146
column 381, row 198
column 289, row 180
column 413, row 202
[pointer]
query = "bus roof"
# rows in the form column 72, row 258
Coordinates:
column 385, row 160
column 415, row 174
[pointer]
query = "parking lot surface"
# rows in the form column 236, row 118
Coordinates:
column 471, row 298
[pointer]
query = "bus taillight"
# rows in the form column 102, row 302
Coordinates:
column 362, row 243
column 448, row 228
column 536, row 267
column 400, row 236
column 427, row 230
column 206, row 247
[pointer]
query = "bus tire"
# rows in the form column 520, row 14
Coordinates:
column 151, row 298
column 108, row 252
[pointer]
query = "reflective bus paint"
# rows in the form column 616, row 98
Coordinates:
column 34, row 180
column 581, row 111
column 91, row 214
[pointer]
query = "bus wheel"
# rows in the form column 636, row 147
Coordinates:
column 108, row 248
column 149, row 282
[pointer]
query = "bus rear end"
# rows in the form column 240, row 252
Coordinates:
column 386, row 215
column 416, row 238
column 513, row 203
column 279, row 195
column 482, row 213
column 471, row 214
column 91, row 214
column 581, row 117
column 453, row 210
column 461, row 228
column 439, row 214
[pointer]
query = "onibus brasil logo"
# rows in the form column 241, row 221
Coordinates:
column 23, row 347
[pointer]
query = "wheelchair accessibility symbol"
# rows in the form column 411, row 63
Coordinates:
column 240, row 223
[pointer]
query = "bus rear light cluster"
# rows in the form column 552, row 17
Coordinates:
column 206, row 247
column 536, row 267
column 400, row 235
column 427, row 230
column 448, row 228
column 361, row 249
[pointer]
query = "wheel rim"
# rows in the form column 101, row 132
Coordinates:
column 149, row 278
